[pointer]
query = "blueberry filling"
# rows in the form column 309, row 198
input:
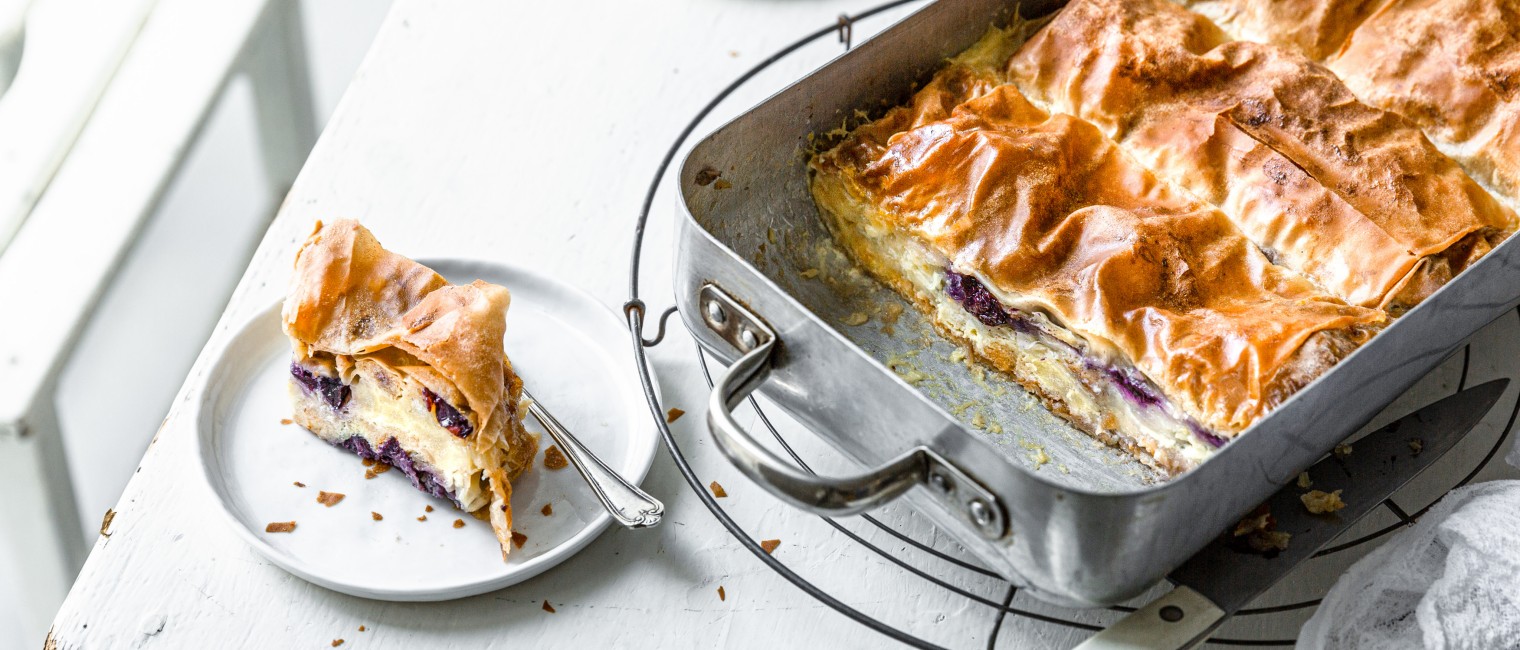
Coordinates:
column 448, row 416
column 974, row 297
column 392, row 454
column 332, row 389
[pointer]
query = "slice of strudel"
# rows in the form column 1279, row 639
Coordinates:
column 395, row 364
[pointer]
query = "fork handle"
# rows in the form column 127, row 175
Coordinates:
column 629, row 505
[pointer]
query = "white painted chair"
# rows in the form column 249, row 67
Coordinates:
column 107, row 99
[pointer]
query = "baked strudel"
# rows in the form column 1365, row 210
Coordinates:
column 1351, row 195
column 395, row 364
column 1450, row 66
column 1133, row 309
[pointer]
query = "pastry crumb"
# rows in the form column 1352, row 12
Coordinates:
column 717, row 490
column 367, row 462
column 459, row 523
column 427, row 508
column 548, row 608
column 706, row 176
column 554, row 458
column 722, row 184
column 299, row 484
column 548, row 510
column 105, row 523
column 329, row 499
column 518, row 539
column 1319, row 502
column 376, row 516
column 1416, row 445
column 422, row 518
column 361, row 628
column 1342, row 451
column 1256, row 533
column 1039, row 457
column 857, row 318
column 808, row 274
column 1304, row 482
column 769, row 545
column 673, row 414
column 280, row 527
column 891, row 312
column 721, row 595
column 1269, row 541
column 378, row 469
column 286, row 421
column 337, row 642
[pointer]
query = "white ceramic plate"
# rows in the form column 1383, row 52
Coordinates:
column 571, row 352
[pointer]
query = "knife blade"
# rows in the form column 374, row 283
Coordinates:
column 1220, row 579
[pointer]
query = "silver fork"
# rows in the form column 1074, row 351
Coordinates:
column 629, row 505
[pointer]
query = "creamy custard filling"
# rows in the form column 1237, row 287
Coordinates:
column 389, row 418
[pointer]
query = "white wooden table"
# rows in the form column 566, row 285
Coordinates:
column 527, row 132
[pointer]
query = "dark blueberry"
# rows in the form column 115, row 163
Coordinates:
column 391, row 453
column 977, row 300
column 448, row 416
column 1204, row 435
column 1134, row 387
column 333, row 390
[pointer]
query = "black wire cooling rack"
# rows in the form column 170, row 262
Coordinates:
column 940, row 576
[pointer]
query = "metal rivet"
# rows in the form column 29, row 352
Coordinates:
column 940, row 483
column 715, row 312
column 981, row 515
column 1171, row 613
column 748, row 339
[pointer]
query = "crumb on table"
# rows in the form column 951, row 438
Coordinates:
column 378, row 469
column 376, row 516
column 300, row 484
column 554, row 458
column 1416, row 445
column 367, row 462
column 518, row 539
column 422, row 518
column 329, row 499
column 427, row 508
column 673, row 414
column 857, row 318
column 459, row 523
column 548, row 510
column 1319, row 502
column 361, row 628
column 548, row 608
column 769, row 545
column 1304, row 482
column 105, row 522
column 721, row 595
column 280, row 527
column 337, row 642
column 1342, row 451
column 286, row 421
column 717, row 490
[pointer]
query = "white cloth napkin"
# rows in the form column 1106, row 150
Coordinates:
column 1450, row 582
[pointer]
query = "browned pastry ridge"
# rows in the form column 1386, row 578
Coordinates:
column 1450, row 66
column 1353, row 196
column 1084, row 244
column 394, row 363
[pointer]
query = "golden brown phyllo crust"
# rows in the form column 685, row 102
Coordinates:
column 1351, row 195
column 1450, row 66
column 1045, row 207
column 357, row 310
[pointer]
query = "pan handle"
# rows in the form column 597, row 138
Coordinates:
column 829, row 496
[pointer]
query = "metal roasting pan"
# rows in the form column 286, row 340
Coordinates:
column 1074, row 522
